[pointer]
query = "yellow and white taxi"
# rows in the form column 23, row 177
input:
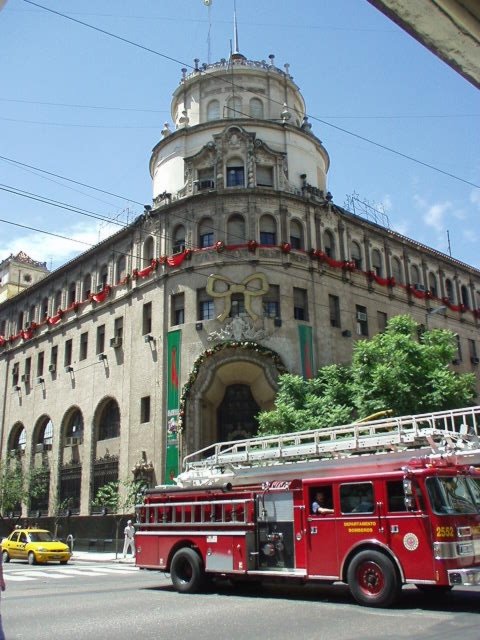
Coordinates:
column 34, row 545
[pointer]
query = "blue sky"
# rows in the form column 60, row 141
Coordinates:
column 77, row 103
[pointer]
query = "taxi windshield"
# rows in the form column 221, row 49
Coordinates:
column 41, row 536
column 454, row 494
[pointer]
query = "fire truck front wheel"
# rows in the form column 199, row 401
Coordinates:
column 373, row 579
column 186, row 571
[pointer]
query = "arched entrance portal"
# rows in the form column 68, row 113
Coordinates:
column 236, row 413
column 231, row 387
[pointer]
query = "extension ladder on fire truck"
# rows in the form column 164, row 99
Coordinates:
column 442, row 431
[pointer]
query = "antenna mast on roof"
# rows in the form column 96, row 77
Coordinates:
column 235, row 31
column 208, row 3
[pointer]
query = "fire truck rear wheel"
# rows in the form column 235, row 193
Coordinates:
column 186, row 571
column 373, row 579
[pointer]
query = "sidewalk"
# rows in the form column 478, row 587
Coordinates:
column 94, row 556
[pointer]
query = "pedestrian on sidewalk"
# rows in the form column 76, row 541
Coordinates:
column 129, row 533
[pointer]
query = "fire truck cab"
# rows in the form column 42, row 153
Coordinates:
column 375, row 520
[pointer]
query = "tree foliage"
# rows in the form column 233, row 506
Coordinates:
column 119, row 497
column 403, row 370
column 18, row 486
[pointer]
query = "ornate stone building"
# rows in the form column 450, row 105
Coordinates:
column 171, row 334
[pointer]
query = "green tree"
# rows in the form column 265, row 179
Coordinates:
column 12, row 485
column 403, row 370
column 119, row 498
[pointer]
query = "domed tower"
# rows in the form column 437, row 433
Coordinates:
column 238, row 123
column 239, row 185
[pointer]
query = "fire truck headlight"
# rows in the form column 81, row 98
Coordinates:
column 465, row 549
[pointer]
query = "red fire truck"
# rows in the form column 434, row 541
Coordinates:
column 375, row 505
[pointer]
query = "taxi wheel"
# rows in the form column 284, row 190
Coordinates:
column 63, row 561
column 31, row 558
column 5, row 556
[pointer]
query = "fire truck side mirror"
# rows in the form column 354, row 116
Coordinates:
column 407, row 487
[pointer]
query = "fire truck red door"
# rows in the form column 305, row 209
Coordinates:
column 322, row 555
column 408, row 533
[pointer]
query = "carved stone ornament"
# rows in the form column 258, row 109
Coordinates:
column 237, row 329
column 254, row 285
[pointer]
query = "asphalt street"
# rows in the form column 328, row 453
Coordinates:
column 114, row 600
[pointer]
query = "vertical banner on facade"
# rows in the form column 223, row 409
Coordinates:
column 306, row 350
column 173, row 404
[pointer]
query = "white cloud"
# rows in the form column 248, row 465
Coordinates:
column 433, row 214
column 55, row 250
column 475, row 197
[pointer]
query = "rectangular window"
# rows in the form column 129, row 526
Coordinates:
column 205, row 179
column 268, row 238
column 334, row 307
column 67, row 359
column 28, row 367
column 361, row 320
column 83, row 346
column 271, row 302
column 472, row 349
column 264, row 176
column 395, row 496
column 235, row 176
column 206, row 306
column 300, row 304
column 177, row 302
column 100, row 339
column 118, row 327
column 295, row 242
column 53, row 359
column 15, row 374
column 147, row 319
column 382, row 319
column 40, row 363
column 206, row 240
column 459, row 349
column 145, row 409
column 357, row 497
column 238, row 305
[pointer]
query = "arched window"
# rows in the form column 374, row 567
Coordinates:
column 213, row 110
column 449, row 290
column 415, row 275
column 74, row 428
column 268, row 230
column 377, row 263
column 45, row 433
column 44, row 308
column 236, row 229
column 57, row 303
column 397, row 270
column 329, row 244
column 256, row 108
column 206, row 237
column 179, row 239
column 109, row 421
column 234, row 107
column 432, row 284
column 296, row 234
column 465, row 296
column 356, row 254
column 148, row 251
column 18, row 438
column 72, row 293
column 235, row 173
column 87, row 286
column 121, row 267
column 103, row 277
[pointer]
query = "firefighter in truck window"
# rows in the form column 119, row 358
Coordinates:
column 322, row 501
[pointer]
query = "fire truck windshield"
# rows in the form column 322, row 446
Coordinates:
column 454, row 494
